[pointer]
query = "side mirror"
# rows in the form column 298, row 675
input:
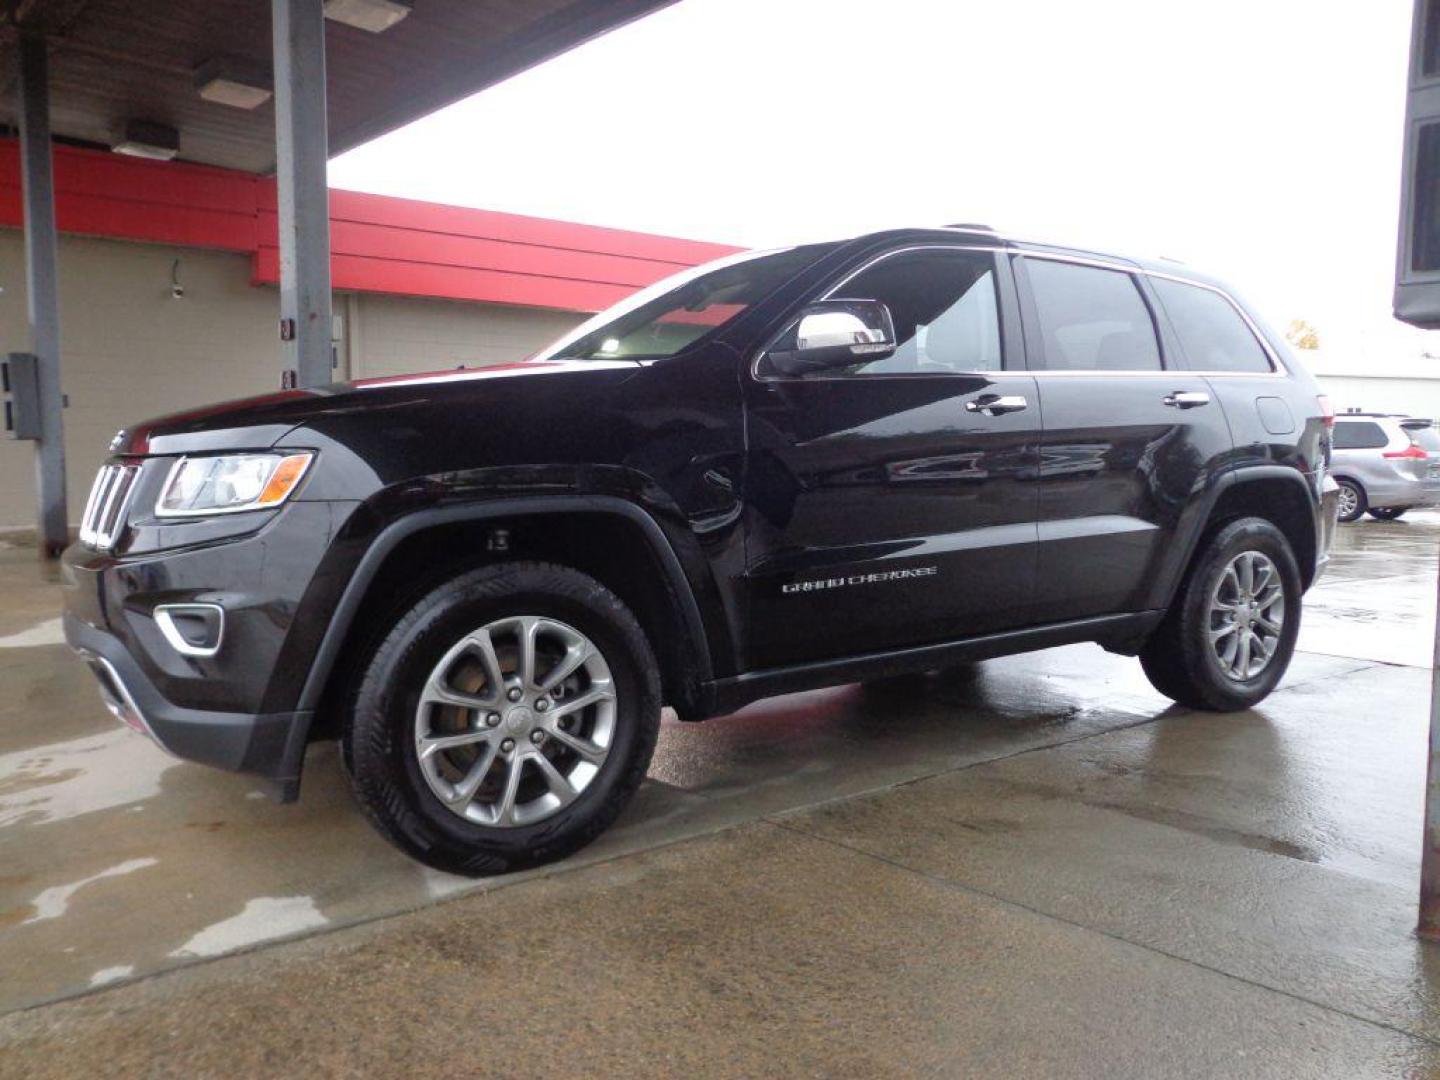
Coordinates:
column 834, row 333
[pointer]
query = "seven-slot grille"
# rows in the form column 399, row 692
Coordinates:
column 105, row 510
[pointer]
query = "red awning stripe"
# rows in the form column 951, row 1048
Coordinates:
column 378, row 243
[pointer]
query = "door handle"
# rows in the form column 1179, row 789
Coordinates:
column 995, row 404
column 1186, row 399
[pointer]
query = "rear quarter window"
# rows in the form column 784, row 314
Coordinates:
column 1359, row 435
column 1211, row 331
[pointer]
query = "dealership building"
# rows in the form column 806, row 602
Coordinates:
column 168, row 275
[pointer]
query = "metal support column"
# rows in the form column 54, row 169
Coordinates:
column 42, row 295
column 301, row 148
column 1429, row 923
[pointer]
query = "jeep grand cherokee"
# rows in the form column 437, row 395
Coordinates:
column 778, row 471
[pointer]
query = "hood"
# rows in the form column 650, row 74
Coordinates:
column 258, row 423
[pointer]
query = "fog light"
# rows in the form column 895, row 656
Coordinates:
column 192, row 629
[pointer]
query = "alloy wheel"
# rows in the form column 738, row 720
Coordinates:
column 1247, row 615
column 1349, row 501
column 515, row 721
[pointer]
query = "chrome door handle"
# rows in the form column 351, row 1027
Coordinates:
column 1186, row 399
column 995, row 404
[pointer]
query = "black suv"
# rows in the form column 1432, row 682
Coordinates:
column 778, row 471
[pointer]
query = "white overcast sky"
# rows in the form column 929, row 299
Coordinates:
column 1258, row 139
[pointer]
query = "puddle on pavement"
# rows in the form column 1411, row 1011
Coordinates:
column 265, row 918
column 54, row 901
column 49, row 632
column 80, row 776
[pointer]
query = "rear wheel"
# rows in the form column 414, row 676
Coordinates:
column 506, row 719
column 1230, row 633
column 1387, row 513
column 1352, row 500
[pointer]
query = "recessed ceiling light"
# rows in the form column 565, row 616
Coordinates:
column 232, row 82
column 147, row 139
column 371, row 15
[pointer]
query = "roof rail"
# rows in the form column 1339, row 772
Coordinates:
column 971, row 226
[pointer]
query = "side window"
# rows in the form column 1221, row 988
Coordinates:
column 1359, row 435
column 1091, row 319
column 945, row 309
column 1211, row 331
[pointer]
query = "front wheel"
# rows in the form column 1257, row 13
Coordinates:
column 1387, row 513
column 1230, row 633
column 506, row 719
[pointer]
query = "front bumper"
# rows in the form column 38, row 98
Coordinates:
column 270, row 745
column 231, row 705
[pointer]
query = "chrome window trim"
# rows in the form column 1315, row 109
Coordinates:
column 1278, row 367
column 1165, row 373
column 165, row 619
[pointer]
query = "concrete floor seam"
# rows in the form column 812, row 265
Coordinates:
column 1016, row 905
column 489, row 888
column 1369, row 664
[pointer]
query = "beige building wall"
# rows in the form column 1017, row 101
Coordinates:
column 130, row 350
column 1378, row 393
column 393, row 335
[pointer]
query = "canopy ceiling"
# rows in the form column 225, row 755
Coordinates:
column 118, row 60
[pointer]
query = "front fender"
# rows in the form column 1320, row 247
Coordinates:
column 391, row 536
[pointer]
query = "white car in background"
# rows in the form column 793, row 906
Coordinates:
column 1384, row 464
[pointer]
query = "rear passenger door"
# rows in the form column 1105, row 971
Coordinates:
column 1127, row 434
column 1266, row 413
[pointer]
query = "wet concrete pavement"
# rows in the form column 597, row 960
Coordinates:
column 1033, row 867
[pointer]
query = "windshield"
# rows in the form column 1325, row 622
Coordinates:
column 666, row 317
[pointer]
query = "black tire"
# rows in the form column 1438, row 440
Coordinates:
column 1178, row 659
column 1361, row 502
column 1387, row 513
column 379, row 734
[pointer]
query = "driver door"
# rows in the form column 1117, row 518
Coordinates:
column 892, row 502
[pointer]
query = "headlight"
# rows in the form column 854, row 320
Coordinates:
column 233, row 482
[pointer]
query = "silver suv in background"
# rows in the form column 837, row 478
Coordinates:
column 1385, row 464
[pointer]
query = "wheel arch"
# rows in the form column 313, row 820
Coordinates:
column 445, row 540
column 1278, row 494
